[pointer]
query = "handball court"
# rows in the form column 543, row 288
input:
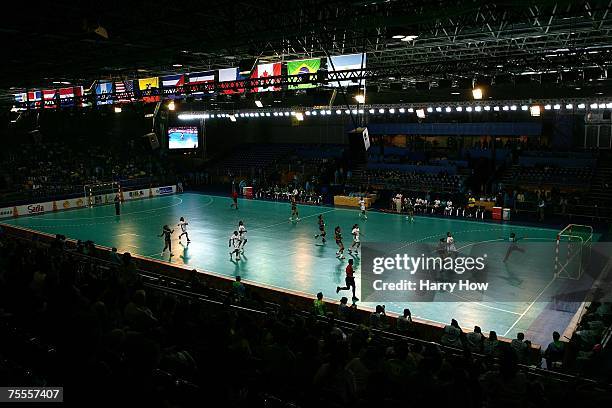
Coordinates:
column 283, row 254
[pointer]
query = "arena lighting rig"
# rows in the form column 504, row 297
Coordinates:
column 530, row 107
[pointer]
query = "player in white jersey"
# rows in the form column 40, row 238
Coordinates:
column 362, row 207
column 234, row 244
column 242, row 231
column 450, row 244
column 356, row 241
column 183, row 225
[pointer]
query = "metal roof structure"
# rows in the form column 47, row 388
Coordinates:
column 416, row 44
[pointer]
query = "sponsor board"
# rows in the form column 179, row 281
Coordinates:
column 78, row 202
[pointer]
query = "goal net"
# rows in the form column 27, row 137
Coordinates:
column 101, row 193
column 573, row 251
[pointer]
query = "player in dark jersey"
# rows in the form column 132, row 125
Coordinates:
column 167, row 234
column 234, row 199
column 338, row 238
column 322, row 232
column 513, row 239
column 349, row 280
column 295, row 216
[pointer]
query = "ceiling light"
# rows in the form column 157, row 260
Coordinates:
column 381, row 110
column 487, row 108
column 232, row 118
column 361, row 111
column 286, row 113
column 581, row 106
column 258, row 104
column 410, row 110
column 171, row 106
column 477, row 93
column 314, row 113
column 524, row 107
column 430, row 109
column 534, row 110
column 547, row 107
column 307, row 113
column 299, row 116
column 117, row 109
column 513, row 107
column 448, row 109
column 593, row 106
column 569, row 106
column 420, row 113
column 328, row 112
column 505, row 108
column 438, row 109
column 468, row 109
column 455, row 93
column 402, row 110
column 338, row 112
column 347, row 111
column 360, row 98
column 410, row 37
column 459, row 109
column 478, row 108
column 557, row 107
column 177, row 65
column 371, row 111
column 391, row 110
column 398, row 36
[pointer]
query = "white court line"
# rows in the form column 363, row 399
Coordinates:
column 128, row 233
column 529, row 307
column 285, row 222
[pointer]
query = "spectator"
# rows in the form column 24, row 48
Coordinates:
column 404, row 323
column 491, row 344
column 555, row 351
column 238, row 289
column 519, row 346
column 319, row 305
column 114, row 256
column 344, row 310
column 378, row 318
column 452, row 335
column 475, row 340
column 137, row 315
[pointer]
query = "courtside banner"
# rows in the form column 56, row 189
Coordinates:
column 79, row 202
column 492, row 273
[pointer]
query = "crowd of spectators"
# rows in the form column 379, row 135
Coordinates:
column 46, row 169
column 104, row 332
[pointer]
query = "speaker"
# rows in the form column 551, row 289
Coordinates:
column 153, row 141
column 359, row 143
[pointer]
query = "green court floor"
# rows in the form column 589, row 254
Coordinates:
column 285, row 255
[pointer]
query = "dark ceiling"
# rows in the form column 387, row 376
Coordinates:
column 563, row 43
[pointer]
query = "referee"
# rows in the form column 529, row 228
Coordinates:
column 349, row 280
column 117, row 205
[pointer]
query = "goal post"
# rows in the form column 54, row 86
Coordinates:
column 573, row 251
column 101, row 193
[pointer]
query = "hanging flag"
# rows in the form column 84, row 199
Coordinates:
column 71, row 96
column 49, row 98
column 307, row 66
column 172, row 85
column 125, row 89
column 228, row 75
column 196, row 78
column 266, row 71
column 21, row 97
column 34, row 99
column 346, row 62
column 104, row 91
column 146, row 84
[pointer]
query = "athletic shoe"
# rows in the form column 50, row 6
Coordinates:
column 342, row 257
column 350, row 251
column 337, row 289
column 188, row 241
column 355, row 298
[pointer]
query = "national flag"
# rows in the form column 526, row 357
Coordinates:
column 34, row 99
column 266, row 71
column 228, row 75
column 49, row 98
column 125, row 89
column 149, row 84
column 344, row 63
column 205, row 77
column 106, row 89
column 71, row 96
column 21, row 97
column 172, row 85
column 307, row 66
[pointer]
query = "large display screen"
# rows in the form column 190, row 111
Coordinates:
column 183, row 137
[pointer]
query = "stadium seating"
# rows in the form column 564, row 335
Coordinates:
column 69, row 318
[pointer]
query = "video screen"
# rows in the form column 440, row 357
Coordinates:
column 183, row 138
